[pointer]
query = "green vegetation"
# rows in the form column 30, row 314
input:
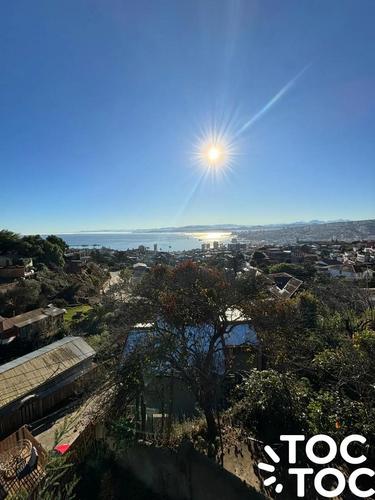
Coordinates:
column 314, row 357
column 49, row 251
column 75, row 312
column 58, row 287
column 336, row 395
column 187, row 305
column 269, row 403
column 302, row 272
column 315, row 372
column 319, row 375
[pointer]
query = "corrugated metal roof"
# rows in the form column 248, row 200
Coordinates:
column 23, row 375
column 30, row 317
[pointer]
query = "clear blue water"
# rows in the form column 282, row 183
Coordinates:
column 124, row 241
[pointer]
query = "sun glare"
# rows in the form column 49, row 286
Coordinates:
column 214, row 152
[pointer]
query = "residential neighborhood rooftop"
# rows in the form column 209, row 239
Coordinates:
column 21, row 376
column 285, row 285
column 29, row 317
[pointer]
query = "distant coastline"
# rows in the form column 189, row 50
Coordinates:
column 191, row 237
column 221, row 227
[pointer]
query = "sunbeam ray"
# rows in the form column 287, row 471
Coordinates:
column 191, row 194
column 272, row 101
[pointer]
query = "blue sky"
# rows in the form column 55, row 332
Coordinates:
column 101, row 104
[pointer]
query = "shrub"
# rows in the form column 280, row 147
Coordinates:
column 270, row 403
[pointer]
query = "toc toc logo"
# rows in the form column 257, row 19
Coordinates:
column 301, row 472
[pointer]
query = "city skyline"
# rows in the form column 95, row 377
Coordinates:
column 103, row 104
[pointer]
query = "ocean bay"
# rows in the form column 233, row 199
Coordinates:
column 165, row 241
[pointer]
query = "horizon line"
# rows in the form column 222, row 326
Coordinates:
column 224, row 226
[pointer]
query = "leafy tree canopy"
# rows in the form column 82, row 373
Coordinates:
column 49, row 251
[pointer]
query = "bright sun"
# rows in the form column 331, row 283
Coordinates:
column 213, row 154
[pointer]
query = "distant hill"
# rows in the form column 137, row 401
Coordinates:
column 314, row 230
column 243, row 227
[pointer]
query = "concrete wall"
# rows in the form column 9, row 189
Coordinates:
column 184, row 474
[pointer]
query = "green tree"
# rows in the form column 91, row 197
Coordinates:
column 349, row 367
column 24, row 297
column 187, row 306
column 289, row 331
column 270, row 403
column 331, row 412
column 53, row 254
column 302, row 272
column 56, row 240
column 9, row 241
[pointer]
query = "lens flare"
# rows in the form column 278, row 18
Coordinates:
column 214, row 152
column 276, row 98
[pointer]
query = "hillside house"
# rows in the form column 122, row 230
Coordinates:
column 139, row 270
column 13, row 260
column 13, row 267
column 284, row 285
column 278, row 255
column 35, row 384
column 41, row 322
column 15, row 272
column 75, row 262
column 350, row 271
column 232, row 353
